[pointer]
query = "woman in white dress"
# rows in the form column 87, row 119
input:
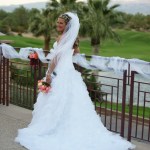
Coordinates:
column 65, row 118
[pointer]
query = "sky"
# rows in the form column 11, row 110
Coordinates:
column 131, row 1
column 138, row 1
column 14, row 2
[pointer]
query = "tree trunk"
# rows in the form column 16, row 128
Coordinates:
column 95, row 43
column 46, row 42
column 95, row 49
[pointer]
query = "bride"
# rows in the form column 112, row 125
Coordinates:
column 65, row 118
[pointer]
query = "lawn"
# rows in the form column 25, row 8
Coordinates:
column 137, row 110
column 133, row 45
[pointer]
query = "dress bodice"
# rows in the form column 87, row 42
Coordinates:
column 54, row 46
column 65, row 61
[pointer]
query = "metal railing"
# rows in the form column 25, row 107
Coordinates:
column 139, row 123
column 4, row 80
column 115, row 98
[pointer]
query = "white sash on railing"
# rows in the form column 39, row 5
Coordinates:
column 115, row 64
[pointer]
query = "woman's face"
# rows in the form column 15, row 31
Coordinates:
column 60, row 25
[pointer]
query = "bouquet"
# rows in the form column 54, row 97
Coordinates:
column 33, row 55
column 33, row 58
column 43, row 86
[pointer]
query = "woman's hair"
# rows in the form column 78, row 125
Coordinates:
column 66, row 17
column 76, row 43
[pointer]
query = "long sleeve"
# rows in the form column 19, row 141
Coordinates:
column 52, row 65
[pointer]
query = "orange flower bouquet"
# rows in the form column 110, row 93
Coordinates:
column 33, row 56
column 43, row 86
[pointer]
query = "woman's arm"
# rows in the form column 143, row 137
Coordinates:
column 50, row 70
column 52, row 65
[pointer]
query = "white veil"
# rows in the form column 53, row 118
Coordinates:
column 69, row 35
column 61, row 57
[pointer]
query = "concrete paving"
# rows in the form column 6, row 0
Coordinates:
column 13, row 118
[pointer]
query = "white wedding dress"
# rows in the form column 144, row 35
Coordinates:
column 65, row 118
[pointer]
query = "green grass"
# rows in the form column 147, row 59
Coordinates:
column 133, row 45
column 141, row 111
column 19, row 41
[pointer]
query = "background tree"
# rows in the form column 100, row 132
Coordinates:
column 53, row 9
column 33, row 12
column 10, row 23
column 137, row 21
column 63, row 6
column 3, row 14
column 98, row 21
column 21, row 18
column 42, row 24
column 3, row 27
column 148, row 22
column 16, row 21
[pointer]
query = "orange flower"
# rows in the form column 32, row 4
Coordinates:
column 35, row 56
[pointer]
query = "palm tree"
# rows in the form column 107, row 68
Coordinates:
column 99, row 21
column 63, row 5
column 42, row 24
column 55, row 8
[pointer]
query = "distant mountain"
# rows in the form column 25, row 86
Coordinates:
column 38, row 5
column 126, row 7
column 134, row 8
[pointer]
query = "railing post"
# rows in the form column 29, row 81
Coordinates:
column 3, row 84
column 131, row 105
column 34, row 63
column 0, row 74
column 39, row 70
column 4, row 79
column 35, row 83
column 123, row 103
column 7, row 82
column 128, row 73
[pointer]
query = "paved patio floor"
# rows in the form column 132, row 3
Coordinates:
column 13, row 118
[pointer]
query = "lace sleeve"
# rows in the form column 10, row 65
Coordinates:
column 52, row 65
